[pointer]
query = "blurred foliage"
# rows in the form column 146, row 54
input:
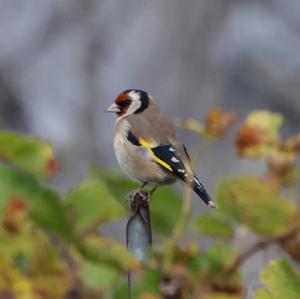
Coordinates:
column 215, row 224
column 32, row 154
column 52, row 245
column 251, row 202
column 281, row 281
column 91, row 212
column 215, row 126
column 259, row 136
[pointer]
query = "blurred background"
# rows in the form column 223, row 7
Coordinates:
column 63, row 61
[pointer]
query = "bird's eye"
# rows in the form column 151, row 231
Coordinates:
column 125, row 103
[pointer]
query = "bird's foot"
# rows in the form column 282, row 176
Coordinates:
column 138, row 197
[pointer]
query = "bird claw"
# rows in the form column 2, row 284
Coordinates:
column 138, row 197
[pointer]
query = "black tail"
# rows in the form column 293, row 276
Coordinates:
column 201, row 192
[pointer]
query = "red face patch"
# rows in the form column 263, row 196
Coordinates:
column 122, row 97
column 123, row 101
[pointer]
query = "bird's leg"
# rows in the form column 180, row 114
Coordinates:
column 142, row 193
column 145, row 196
column 152, row 191
column 143, row 186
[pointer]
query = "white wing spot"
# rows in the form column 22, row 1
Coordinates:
column 175, row 160
column 196, row 181
column 171, row 149
column 211, row 204
column 181, row 170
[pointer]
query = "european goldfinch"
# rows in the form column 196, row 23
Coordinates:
column 147, row 145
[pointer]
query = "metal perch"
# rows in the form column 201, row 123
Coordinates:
column 138, row 230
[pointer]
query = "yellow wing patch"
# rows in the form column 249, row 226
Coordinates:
column 149, row 146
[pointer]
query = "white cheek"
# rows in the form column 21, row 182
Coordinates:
column 135, row 105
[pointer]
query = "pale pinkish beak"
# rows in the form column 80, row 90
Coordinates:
column 114, row 108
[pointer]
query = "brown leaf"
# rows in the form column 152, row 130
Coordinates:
column 219, row 122
column 14, row 214
column 248, row 137
column 281, row 170
column 293, row 144
column 259, row 136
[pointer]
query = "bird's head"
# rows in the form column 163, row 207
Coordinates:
column 131, row 101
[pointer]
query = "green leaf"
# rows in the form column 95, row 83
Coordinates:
column 267, row 121
column 191, row 124
column 29, row 261
column 263, row 294
column 211, row 267
column 31, row 154
column 46, row 208
column 14, row 183
column 281, row 281
column 250, row 201
column 99, row 276
column 165, row 209
column 107, row 252
column 91, row 203
column 215, row 225
column 218, row 258
column 149, row 283
column 118, row 184
column 48, row 212
column 215, row 261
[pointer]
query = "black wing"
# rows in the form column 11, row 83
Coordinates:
column 167, row 154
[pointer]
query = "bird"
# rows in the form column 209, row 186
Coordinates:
column 147, row 145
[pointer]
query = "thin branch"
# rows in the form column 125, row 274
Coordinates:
column 261, row 245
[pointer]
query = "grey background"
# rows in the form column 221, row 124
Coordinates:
column 63, row 61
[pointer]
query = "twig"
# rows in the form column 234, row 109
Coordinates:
column 260, row 245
